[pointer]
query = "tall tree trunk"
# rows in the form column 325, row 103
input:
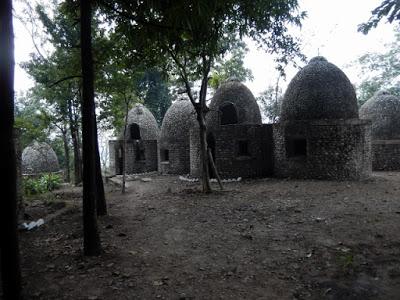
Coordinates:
column 91, row 239
column 205, row 175
column 9, row 256
column 124, row 147
column 18, row 164
column 100, row 195
column 75, row 145
column 66, row 153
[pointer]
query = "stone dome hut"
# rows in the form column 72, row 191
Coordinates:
column 238, row 141
column 174, row 151
column 141, row 143
column 320, row 135
column 39, row 158
column 383, row 109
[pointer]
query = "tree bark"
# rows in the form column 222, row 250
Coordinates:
column 66, row 153
column 75, row 145
column 9, row 253
column 124, row 147
column 100, row 195
column 91, row 239
column 203, row 151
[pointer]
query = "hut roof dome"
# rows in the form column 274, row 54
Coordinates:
column 319, row 91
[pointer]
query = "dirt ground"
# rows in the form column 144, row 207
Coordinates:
column 257, row 239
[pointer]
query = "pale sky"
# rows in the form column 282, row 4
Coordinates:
column 329, row 30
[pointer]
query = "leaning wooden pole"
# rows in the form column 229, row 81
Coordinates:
column 9, row 257
column 91, row 239
column 214, row 168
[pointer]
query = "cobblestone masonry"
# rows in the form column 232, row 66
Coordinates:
column 174, row 139
column 383, row 109
column 256, row 141
column 335, row 149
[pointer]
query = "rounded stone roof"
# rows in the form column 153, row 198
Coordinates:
column 39, row 158
column 319, row 91
column 142, row 116
column 178, row 120
column 234, row 92
column 383, row 109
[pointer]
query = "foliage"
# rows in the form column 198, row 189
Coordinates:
column 231, row 68
column 270, row 102
column 43, row 184
column 381, row 71
column 153, row 90
column 388, row 8
column 32, row 120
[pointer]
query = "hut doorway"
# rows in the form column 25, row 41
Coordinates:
column 119, row 161
column 229, row 113
column 134, row 131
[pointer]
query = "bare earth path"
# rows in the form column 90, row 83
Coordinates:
column 259, row 239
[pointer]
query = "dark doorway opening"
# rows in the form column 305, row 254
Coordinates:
column 134, row 131
column 296, row 147
column 164, row 155
column 211, row 145
column 243, row 148
column 119, row 161
column 228, row 114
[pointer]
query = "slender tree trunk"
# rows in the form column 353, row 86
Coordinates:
column 9, row 256
column 100, row 196
column 66, row 153
column 203, row 151
column 75, row 145
column 91, row 239
column 124, row 147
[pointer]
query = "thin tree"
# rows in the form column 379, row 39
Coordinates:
column 10, row 265
column 91, row 239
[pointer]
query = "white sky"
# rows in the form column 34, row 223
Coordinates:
column 329, row 30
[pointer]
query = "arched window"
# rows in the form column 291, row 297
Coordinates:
column 228, row 114
column 134, row 131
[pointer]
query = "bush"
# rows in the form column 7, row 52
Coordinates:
column 43, row 184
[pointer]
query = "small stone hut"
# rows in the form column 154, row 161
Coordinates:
column 240, row 144
column 174, row 152
column 141, row 136
column 39, row 158
column 383, row 109
column 320, row 135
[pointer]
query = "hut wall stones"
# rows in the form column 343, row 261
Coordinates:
column 323, row 149
column 240, row 144
column 238, row 150
column 39, row 158
column 383, row 109
column 320, row 135
column 141, row 144
column 174, row 145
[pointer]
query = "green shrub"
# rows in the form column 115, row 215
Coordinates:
column 43, row 184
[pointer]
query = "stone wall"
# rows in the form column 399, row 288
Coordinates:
column 179, row 157
column 240, row 151
column 386, row 155
column 334, row 149
column 145, row 161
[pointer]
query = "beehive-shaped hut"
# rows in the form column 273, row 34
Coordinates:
column 39, row 158
column 383, row 109
column 174, row 149
column 240, row 145
column 141, row 136
column 320, row 135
